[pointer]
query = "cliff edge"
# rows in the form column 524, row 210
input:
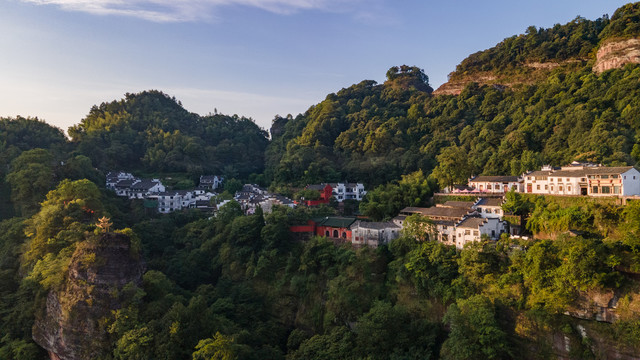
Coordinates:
column 99, row 277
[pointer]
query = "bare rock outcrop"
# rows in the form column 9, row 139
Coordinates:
column 616, row 54
column 73, row 324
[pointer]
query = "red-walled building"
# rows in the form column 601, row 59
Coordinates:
column 326, row 192
column 330, row 227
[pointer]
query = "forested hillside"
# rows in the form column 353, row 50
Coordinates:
column 377, row 132
column 152, row 132
column 75, row 260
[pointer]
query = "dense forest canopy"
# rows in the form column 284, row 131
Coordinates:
column 152, row 132
column 240, row 286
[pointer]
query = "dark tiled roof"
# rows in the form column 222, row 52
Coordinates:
column 144, row 184
column 472, row 222
column 608, row 170
column 124, row 183
column 540, row 173
column 208, row 178
column 375, row 225
column 437, row 212
column 490, row 202
column 495, row 179
column 458, row 204
column 341, row 222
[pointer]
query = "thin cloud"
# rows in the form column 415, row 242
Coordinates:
column 191, row 10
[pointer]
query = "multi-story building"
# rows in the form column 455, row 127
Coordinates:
column 471, row 229
column 496, row 184
column 584, row 180
column 348, row 191
column 373, row 233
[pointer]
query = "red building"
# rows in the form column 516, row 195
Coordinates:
column 330, row 227
column 326, row 192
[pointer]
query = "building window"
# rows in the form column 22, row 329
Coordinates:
column 551, row 187
column 616, row 189
column 546, row 187
column 489, row 187
column 615, row 176
column 467, row 232
column 551, row 179
column 538, row 187
column 335, row 233
column 476, row 232
column 606, row 190
column 595, row 190
column 560, row 188
column 604, row 176
column 568, row 180
column 326, row 233
column 569, row 188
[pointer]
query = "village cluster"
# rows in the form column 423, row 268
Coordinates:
column 453, row 223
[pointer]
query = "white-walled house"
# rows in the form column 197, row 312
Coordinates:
column 489, row 207
column 210, row 182
column 145, row 187
column 496, row 184
column 348, row 191
column 471, row 229
column 373, row 233
column 584, row 180
column 616, row 181
column 113, row 177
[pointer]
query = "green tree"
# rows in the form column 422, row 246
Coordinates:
column 475, row 332
column 452, row 167
column 31, row 177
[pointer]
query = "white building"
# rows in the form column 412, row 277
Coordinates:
column 211, row 182
column 175, row 200
column 471, row 229
column 142, row 188
column 496, row 184
column 348, row 191
column 584, row 180
column 489, row 207
column 373, row 233
column 113, row 177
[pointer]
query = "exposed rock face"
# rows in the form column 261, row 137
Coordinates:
column 616, row 54
column 598, row 306
column 73, row 326
column 455, row 87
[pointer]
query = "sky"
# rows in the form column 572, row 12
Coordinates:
column 253, row 58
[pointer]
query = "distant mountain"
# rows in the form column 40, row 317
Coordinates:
column 547, row 96
column 152, row 132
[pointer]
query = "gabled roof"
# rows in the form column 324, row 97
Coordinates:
column 608, row 170
column 490, row 202
column 335, row 221
column 458, row 204
column 495, row 179
column 472, row 222
column 437, row 212
column 209, row 178
column 375, row 225
column 144, row 184
column 540, row 173
column 125, row 183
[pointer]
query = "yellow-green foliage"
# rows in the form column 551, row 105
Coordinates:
column 51, row 269
column 135, row 246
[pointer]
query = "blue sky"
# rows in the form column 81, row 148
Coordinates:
column 254, row 58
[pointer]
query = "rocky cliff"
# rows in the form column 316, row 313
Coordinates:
column 97, row 282
column 616, row 54
column 523, row 74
